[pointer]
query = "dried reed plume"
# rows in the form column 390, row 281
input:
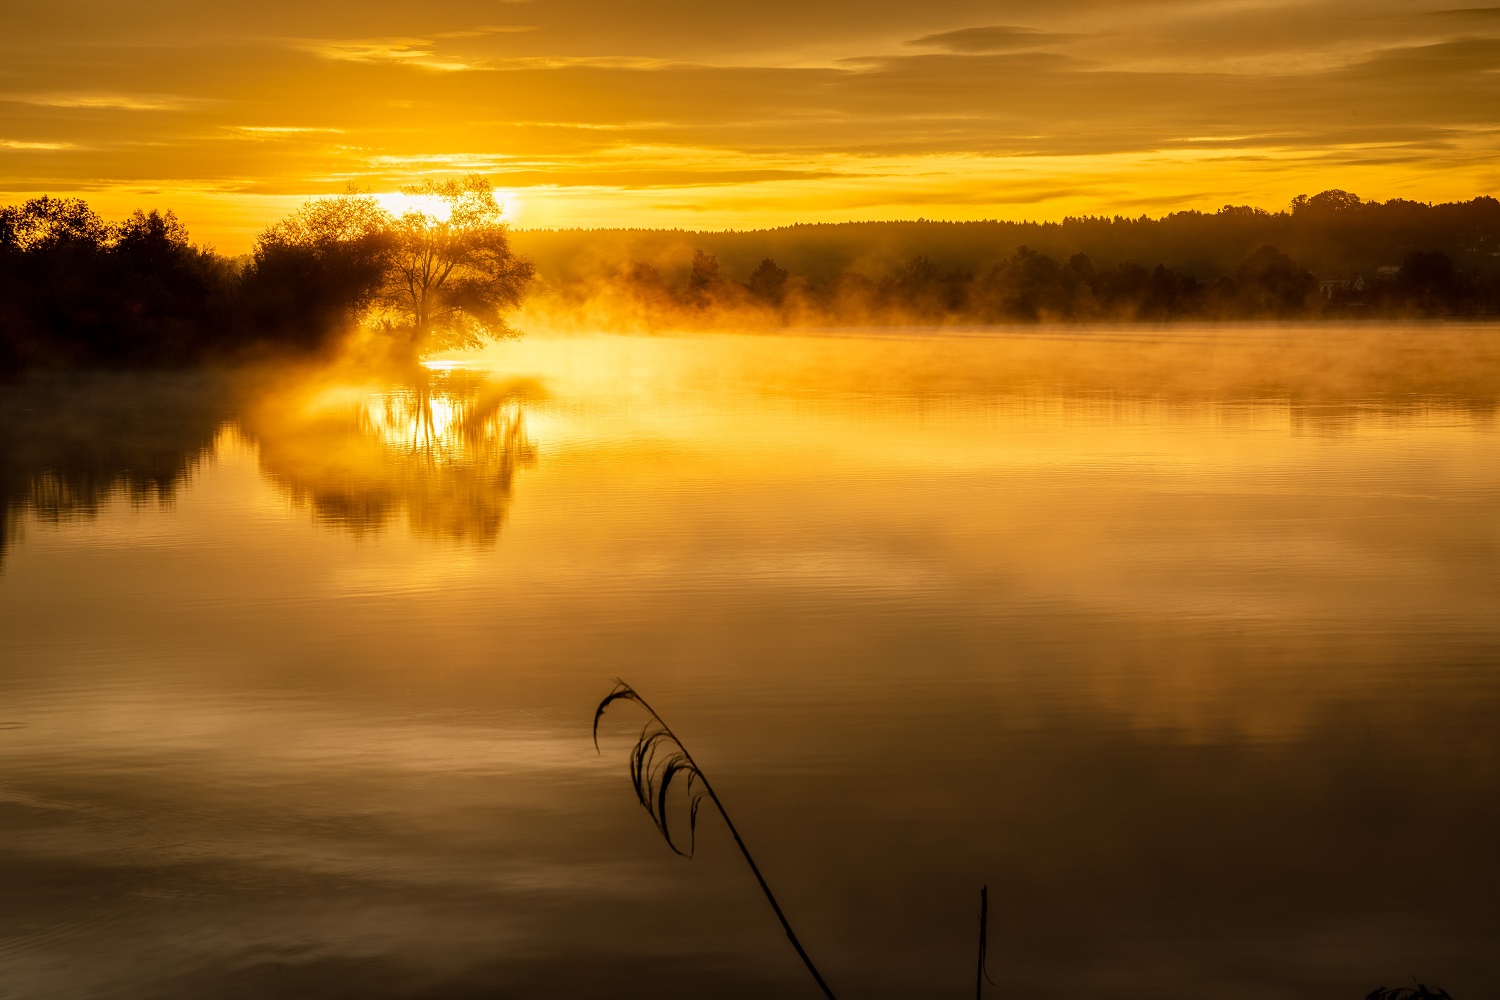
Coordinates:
column 659, row 758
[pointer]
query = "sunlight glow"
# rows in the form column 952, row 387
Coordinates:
column 399, row 203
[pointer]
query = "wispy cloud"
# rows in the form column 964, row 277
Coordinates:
column 484, row 30
column 282, row 131
column 814, row 113
column 418, row 52
column 111, row 101
column 1491, row 13
column 425, row 163
column 991, row 38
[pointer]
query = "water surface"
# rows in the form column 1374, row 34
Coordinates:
column 1184, row 642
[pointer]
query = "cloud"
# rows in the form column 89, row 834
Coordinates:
column 270, row 130
column 280, row 133
column 994, row 38
column 417, row 52
column 795, row 107
column 1484, row 13
column 117, row 102
column 485, row 30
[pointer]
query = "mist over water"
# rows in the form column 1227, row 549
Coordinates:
column 1181, row 640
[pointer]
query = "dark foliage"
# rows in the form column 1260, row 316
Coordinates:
column 1418, row 992
column 768, row 282
column 75, row 290
column 1337, row 257
column 1031, row 287
column 313, row 272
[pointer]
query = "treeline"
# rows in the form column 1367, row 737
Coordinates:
column 1029, row 287
column 76, row 291
column 1334, row 234
column 1331, row 255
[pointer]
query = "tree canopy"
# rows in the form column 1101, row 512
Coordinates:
column 76, row 290
column 440, row 275
column 451, row 274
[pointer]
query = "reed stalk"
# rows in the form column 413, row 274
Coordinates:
column 657, row 759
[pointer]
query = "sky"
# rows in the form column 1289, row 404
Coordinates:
column 687, row 113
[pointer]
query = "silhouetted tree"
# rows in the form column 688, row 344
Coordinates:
column 1333, row 200
column 1429, row 280
column 705, row 270
column 1271, row 284
column 152, row 240
column 1121, row 288
column 920, row 290
column 315, row 272
column 1081, row 268
column 768, row 282
column 47, row 223
column 1167, row 295
column 454, row 275
column 76, row 291
column 643, row 275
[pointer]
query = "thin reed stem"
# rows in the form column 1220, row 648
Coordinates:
column 652, row 770
column 982, row 973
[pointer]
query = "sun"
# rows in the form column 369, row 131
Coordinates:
column 399, row 203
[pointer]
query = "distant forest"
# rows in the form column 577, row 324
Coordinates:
column 1329, row 256
column 78, row 291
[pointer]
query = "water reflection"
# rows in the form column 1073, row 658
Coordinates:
column 68, row 446
column 1196, row 670
column 441, row 448
column 443, row 451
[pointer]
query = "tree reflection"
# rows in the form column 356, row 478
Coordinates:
column 443, row 450
column 71, row 445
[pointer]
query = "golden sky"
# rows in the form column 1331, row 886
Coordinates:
column 702, row 115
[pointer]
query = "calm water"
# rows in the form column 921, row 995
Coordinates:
column 1186, row 644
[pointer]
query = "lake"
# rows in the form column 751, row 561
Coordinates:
column 1184, row 642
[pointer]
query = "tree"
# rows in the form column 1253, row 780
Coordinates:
column 705, row 270
column 1271, row 284
column 45, row 223
column 768, row 282
column 1334, row 200
column 1429, row 280
column 77, row 290
column 151, row 235
column 452, row 273
column 316, row 271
